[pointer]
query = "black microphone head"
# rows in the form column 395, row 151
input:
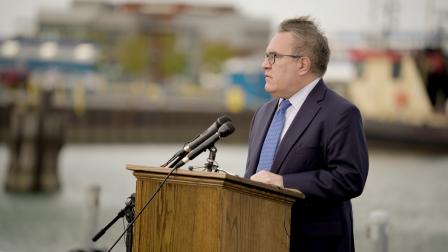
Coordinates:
column 223, row 119
column 226, row 129
column 215, row 126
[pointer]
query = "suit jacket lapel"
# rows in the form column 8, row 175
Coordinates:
column 305, row 115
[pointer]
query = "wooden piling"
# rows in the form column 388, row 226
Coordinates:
column 35, row 139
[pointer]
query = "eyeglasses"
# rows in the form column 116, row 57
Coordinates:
column 272, row 56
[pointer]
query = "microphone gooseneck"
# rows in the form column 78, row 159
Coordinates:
column 223, row 131
column 191, row 145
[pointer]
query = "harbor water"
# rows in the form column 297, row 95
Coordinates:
column 410, row 186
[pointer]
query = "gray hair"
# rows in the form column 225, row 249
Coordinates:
column 311, row 40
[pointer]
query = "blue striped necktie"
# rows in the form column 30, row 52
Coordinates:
column 272, row 137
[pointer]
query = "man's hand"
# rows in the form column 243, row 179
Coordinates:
column 268, row 178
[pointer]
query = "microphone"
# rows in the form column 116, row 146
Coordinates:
column 223, row 131
column 198, row 140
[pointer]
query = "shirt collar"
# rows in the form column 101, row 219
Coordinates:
column 298, row 98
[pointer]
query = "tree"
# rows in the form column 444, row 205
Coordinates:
column 214, row 55
column 132, row 54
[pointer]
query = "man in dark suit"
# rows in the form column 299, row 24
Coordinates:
column 308, row 138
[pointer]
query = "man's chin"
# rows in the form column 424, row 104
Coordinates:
column 272, row 92
column 268, row 88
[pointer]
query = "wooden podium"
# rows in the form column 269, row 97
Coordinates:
column 209, row 211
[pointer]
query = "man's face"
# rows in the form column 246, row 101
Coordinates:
column 283, row 77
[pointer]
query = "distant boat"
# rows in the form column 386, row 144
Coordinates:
column 390, row 92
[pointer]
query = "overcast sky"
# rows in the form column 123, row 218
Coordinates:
column 333, row 15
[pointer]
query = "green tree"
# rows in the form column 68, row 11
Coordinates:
column 214, row 54
column 172, row 61
column 132, row 54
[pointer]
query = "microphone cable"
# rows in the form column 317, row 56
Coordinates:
column 141, row 211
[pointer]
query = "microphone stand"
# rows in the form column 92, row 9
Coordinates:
column 128, row 212
column 129, row 217
column 210, row 165
column 133, row 219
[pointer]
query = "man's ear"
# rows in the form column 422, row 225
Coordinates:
column 304, row 65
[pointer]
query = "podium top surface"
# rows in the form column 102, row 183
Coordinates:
column 222, row 176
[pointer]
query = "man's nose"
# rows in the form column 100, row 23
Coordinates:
column 265, row 64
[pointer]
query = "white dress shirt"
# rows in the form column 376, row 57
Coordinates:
column 296, row 101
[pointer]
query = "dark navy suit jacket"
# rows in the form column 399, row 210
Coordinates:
column 324, row 155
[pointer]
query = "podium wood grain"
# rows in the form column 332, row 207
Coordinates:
column 203, row 211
